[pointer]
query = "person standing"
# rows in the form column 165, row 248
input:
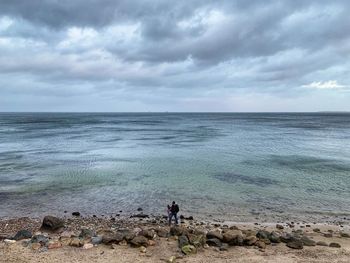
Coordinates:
column 174, row 209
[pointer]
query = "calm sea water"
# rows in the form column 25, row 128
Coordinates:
column 233, row 166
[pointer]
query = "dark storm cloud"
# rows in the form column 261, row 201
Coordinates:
column 180, row 50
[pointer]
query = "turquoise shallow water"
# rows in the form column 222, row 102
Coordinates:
column 235, row 166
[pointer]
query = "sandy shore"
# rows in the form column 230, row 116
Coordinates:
column 166, row 248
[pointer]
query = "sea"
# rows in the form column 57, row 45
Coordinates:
column 242, row 167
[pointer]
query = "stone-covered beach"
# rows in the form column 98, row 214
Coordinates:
column 143, row 238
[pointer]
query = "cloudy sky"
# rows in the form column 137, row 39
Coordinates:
column 110, row 55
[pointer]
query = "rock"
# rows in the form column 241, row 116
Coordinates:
column 274, row 237
column 43, row 240
column 139, row 241
column 295, row 244
column 36, row 246
column 67, row 234
column 214, row 234
column 333, row 244
column 147, row 233
column 9, row 241
column 263, row 234
column 123, row 243
column 162, row 232
column 65, row 240
column 214, row 242
column 322, row 243
column 231, row 236
column 52, row 223
column 329, row 235
column 127, row 233
column 26, row 243
column 88, row 246
column 75, row 214
column 172, row 259
column 260, row 244
column 86, row 233
column 140, row 216
column 183, row 241
column 143, row 249
column 278, row 226
column 317, row 230
column 151, row 243
column 347, row 235
column 224, row 247
column 189, row 249
column 111, row 237
column 22, row 234
column 139, row 209
column 96, row 240
column 54, row 244
column 177, row 231
column 76, row 242
column 286, row 237
column 307, row 241
column 250, row 240
column 198, row 240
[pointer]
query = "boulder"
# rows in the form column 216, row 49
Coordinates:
column 197, row 240
column 76, row 242
column 214, row 242
column 112, row 237
column 161, row 232
column 286, row 237
column 139, row 241
column 307, row 241
column 86, row 233
column 54, row 244
column 263, row 234
column 295, row 244
column 52, row 223
column 96, row 240
column 183, row 241
column 75, row 214
column 214, row 234
column 279, row 226
column 333, row 244
column 189, row 249
column 274, row 237
column 231, row 236
column 41, row 239
column 147, row 233
column 250, row 240
column 343, row 234
column 260, row 244
column 22, row 234
column 177, row 231
column 322, row 243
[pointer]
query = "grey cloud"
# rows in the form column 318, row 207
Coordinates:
column 180, row 51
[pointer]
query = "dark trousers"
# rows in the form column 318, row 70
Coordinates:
column 171, row 215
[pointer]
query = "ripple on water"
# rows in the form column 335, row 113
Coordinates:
column 233, row 178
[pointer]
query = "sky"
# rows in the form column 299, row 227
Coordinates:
column 153, row 55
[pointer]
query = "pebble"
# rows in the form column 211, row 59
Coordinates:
column 9, row 241
column 88, row 246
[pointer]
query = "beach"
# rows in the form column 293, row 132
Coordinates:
column 73, row 242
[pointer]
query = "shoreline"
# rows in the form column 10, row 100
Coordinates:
column 163, row 243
